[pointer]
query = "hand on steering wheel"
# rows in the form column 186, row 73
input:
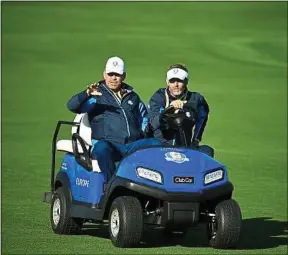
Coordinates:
column 168, row 117
column 178, row 124
column 178, row 104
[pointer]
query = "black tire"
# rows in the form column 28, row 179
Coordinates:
column 61, row 221
column 225, row 232
column 126, row 229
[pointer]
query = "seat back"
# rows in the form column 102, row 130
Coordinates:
column 84, row 130
column 77, row 118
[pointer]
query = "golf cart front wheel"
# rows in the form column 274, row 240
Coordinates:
column 125, row 221
column 225, row 228
column 61, row 222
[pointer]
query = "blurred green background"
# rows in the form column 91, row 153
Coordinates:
column 236, row 53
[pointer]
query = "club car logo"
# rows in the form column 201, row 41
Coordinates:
column 183, row 179
column 176, row 157
column 82, row 182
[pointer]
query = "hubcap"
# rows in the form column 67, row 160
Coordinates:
column 56, row 211
column 115, row 222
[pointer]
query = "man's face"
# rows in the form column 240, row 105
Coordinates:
column 176, row 86
column 113, row 80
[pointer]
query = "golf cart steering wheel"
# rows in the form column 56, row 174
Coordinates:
column 178, row 124
column 175, row 120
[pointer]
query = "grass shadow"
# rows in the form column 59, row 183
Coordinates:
column 96, row 230
column 263, row 233
column 257, row 233
column 153, row 238
column 195, row 237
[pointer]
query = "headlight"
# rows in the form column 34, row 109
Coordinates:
column 149, row 174
column 214, row 176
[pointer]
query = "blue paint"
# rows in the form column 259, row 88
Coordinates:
column 193, row 164
column 154, row 158
column 90, row 194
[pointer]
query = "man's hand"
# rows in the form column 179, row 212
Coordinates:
column 178, row 104
column 92, row 90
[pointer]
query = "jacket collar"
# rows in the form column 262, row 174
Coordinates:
column 126, row 88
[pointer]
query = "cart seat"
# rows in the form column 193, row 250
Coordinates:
column 84, row 131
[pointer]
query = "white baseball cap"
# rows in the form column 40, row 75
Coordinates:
column 115, row 65
column 176, row 73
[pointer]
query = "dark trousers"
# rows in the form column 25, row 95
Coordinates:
column 107, row 153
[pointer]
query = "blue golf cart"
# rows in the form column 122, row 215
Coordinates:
column 174, row 188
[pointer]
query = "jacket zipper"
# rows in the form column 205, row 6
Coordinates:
column 119, row 103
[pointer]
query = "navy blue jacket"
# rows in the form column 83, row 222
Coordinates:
column 158, row 103
column 112, row 119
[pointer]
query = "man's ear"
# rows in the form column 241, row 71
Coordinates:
column 104, row 74
column 123, row 76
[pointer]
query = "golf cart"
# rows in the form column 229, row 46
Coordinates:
column 173, row 188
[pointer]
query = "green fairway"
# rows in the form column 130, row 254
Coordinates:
column 237, row 58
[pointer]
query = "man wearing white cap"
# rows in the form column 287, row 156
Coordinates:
column 176, row 94
column 117, row 116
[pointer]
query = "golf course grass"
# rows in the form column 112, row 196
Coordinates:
column 236, row 53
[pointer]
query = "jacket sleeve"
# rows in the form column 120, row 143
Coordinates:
column 156, row 106
column 81, row 103
column 201, row 119
column 143, row 118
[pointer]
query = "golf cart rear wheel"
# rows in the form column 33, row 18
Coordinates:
column 225, row 228
column 61, row 222
column 125, row 222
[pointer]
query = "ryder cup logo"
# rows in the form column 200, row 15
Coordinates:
column 188, row 114
column 176, row 157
